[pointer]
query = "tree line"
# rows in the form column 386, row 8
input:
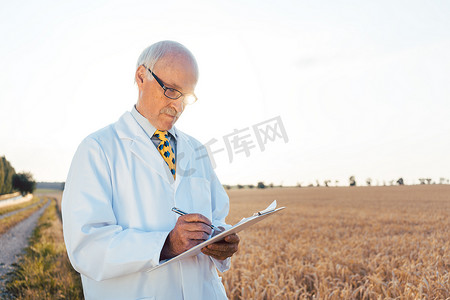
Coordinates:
column 327, row 183
column 10, row 181
column 369, row 182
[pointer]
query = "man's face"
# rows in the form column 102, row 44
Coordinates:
column 175, row 71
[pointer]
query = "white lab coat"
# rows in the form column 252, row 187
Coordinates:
column 117, row 214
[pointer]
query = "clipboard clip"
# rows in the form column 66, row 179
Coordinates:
column 269, row 209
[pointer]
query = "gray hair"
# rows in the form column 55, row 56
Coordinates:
column 153, row 53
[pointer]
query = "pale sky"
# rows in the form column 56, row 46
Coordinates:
column 361, row 87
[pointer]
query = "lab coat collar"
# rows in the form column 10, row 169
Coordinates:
column 149, row 129
column 141, row 146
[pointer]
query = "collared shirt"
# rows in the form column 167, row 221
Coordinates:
column 150, row 130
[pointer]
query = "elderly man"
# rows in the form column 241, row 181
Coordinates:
column 124, row 181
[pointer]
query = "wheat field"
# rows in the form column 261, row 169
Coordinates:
column 390, row 242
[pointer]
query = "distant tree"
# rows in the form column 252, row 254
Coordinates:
column 227, row 187
column 400, row 181
column 326, row 182
column 6, row 174
column 261, row 185
column 336, row 182
column 250, row 186
column 442, row 180
column 24, row 183
column 352, row 181
column 240, row 186
column 299, row 184
column 317, row 183
column 422, row 180
column 271, row 185
column 2, row 175
column 369, row 181
column 428, row 180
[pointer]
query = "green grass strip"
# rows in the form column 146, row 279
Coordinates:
column 44, row 272
column 9, row 222
column 7, row 209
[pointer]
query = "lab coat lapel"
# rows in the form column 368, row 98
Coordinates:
column 142, row 147
column 185, row 157
column 147, row 152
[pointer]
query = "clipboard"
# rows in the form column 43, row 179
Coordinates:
column 241, row 225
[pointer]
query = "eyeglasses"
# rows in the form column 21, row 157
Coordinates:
column 173, row 93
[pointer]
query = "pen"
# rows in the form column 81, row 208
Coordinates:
column 182, row 213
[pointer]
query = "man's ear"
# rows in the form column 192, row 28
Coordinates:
column 140, row 75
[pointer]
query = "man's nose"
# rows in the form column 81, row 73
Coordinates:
column 178, row 104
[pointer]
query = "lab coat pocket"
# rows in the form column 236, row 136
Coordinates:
column 201, row 196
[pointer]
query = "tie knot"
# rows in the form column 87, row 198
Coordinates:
column 162, row 135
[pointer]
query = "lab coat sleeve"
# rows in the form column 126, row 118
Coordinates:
column 221, row 207
column 97, row 246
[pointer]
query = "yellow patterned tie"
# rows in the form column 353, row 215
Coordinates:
column 166, row 150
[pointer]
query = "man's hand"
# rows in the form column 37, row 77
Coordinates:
column 224, row 248
column 190, row 230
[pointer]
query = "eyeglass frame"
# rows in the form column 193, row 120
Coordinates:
column 163, row 86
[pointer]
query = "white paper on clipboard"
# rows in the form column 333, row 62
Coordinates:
column 241, row 225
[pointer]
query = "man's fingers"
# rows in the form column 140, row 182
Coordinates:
column 220, row 250
column 216, row 255
column 232, row 238
column 196, row 218
column 223, row 247
column 197, row 235
column 194, row 222
column 192, row 229
column 196, row 227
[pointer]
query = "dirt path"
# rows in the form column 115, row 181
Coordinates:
column 15, row 240
column 19, row 210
